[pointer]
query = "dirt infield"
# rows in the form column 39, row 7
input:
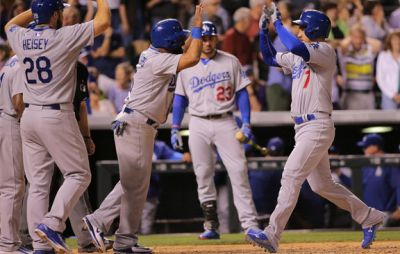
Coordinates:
column 382, row 247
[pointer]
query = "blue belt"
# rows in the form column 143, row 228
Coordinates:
column 149, row 121
column 50, row 106
column 304, row 118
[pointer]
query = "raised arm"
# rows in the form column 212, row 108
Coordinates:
column 291, row 42
column 102, row 19
column 192, row 55
column 22, row 19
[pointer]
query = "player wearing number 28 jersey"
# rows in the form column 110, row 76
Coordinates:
column 49, row 131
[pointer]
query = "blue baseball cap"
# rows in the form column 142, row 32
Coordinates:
column 370, row 139
column 275, row 144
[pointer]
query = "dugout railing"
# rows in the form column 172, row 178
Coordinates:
column 107, row 173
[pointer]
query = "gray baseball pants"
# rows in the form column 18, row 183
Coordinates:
column 52, row 136
column 204, row 134
column 309, row 160
column 12, row 182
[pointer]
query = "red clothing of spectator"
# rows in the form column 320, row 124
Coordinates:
column 239, row 45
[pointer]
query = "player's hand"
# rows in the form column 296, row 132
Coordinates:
column 90, row 146
column 272, row 12
column 187, row 157
column 264, row 22
column 247, row 131
column 118, row 126
column 176, row 139
column 198, row 19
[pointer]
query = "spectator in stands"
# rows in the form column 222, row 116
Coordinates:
column 256, row 8
column 18, row 7
column 3, row 22
column 107, row 52
column 99, row 105
column 256, row 90
column 357, row 55
column 336, row 34
column 71, row 16
column 5, row 54
column 236, row 41
column 394, row 19
column 117, row 93
column 374, row 20
column 381, row 185
column 210, row 13
column 265, row 184
column 343, row 16
column 133, row 28
column 388, row 78
column 162, row 9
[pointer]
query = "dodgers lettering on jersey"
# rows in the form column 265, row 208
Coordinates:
column 11, row 83
column 312, row 81
column 211, row 85
column 154, row 84
column 48, row 59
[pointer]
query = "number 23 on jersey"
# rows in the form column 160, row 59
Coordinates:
column 224, row 93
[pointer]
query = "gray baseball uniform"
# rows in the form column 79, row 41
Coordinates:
column 210, row 87
column 150, row 99
column 312, row 105
column 12, row 180
column 48, row 127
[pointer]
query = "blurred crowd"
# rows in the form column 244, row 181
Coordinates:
column 365, row 34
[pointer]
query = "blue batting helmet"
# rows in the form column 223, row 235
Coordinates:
column 168, row 34
column 316, row 24
column 42, row 10
column 209, row 29
column 276, row 144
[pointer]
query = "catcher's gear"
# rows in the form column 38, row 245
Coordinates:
column 209, row 29
column 176, row 139
column 42, row 10
column 315, row 23
column 169, row 34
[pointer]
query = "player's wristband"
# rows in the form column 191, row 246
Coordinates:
column 196, row 33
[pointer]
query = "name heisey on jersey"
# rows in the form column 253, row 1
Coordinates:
column 29, row 44
column 199, row 83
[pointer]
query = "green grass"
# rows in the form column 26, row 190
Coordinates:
column 288, row 237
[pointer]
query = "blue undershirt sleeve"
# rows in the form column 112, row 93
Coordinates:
column 267, row 49
column 242, row 98
column 178, row 110
column 294, row 45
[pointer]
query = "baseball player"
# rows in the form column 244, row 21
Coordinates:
column 48, row 127
column 210, row 89
column 312, row 63
column 12, row 179
column 135, row 128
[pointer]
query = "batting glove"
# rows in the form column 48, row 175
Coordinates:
column 273, row 12
column 176, row 139
column 247, row 131
column 118, row 127
column 264, row 22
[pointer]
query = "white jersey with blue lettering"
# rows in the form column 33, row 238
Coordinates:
column 312, row 81
column 211, row 85
column 48, row 59
column 11, row 83
column 154, row 84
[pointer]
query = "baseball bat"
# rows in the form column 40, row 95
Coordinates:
column 242, row 139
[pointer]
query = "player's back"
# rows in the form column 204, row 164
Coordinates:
column 48, row 58
column 8, row 74
column 154, row 84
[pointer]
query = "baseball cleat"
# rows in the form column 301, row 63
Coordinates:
column 90, row 248
column 369, row 236
column 260, row 239
column 136, row 249
column 53, row 238
column 97, row 235
column 209, row 234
